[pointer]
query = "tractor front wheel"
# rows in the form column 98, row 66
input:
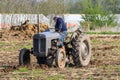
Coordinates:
column 24, row 57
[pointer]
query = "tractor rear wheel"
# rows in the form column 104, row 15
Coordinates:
column 24, row 57
column 60, row 58
column 81, row 50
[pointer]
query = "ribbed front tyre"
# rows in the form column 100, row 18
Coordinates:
column 24, row 57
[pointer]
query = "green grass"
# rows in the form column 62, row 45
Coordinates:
column 27, row 46
column 2, row 43
column 110, row 67
column 118, row 70
column 90, row 78
column 97, row 41
column 109, row 32
column 35, row 74
column 38, row 73
column 55, row 77
column 15, row 45
column 23, row 69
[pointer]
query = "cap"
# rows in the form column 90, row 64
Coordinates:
column 54, row 18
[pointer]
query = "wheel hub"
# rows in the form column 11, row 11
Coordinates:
column 61, row 59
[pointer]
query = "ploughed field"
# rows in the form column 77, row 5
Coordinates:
column 104, row 64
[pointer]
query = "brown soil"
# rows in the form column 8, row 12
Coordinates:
column 104, row 64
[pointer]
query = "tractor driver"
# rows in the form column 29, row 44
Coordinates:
column 60, row 27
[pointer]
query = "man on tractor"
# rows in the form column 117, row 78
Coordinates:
column 46, row 51
column 60, row 27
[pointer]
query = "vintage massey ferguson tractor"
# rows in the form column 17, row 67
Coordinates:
column 47, row 51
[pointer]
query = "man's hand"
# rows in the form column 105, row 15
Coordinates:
column 57, row 30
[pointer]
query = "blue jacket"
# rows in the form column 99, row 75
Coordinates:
column 60, row 25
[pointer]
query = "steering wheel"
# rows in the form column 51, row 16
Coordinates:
column 51, row 29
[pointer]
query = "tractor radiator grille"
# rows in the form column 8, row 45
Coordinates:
column 36, row 45
column 42, row 45
column 39, row 45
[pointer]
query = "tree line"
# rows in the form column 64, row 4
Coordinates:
column 112, row 6
column 56, row 6
column 32, row 6
column 98, row 13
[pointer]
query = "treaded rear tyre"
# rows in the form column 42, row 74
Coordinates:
column 81, row 50
column 24, row 57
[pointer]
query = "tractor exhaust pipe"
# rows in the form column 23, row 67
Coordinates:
column 38, row 27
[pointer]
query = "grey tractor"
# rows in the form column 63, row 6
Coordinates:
column 47, row 51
